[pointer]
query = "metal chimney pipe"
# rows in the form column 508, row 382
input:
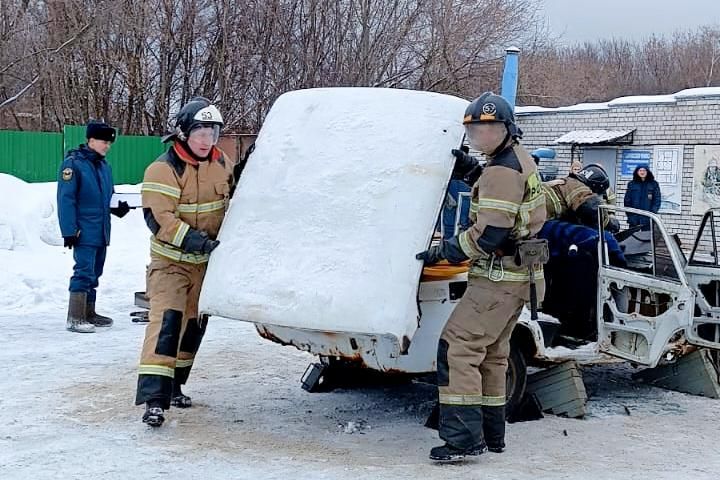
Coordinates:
column 508, row 90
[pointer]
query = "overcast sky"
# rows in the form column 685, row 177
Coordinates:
column 580, row 20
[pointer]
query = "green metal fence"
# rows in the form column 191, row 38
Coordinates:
column 31, row 156
column 36, row 156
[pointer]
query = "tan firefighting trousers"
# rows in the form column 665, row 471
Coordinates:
column 173, row 336
column 473, row 356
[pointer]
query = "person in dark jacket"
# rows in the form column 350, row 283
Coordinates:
column 643, row 193
column 85, row 186
column 458, row 185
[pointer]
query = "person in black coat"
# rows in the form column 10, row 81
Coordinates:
column 643, row 193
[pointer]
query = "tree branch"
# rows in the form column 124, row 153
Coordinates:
column 27, row 87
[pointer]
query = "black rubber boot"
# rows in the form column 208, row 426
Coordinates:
column 459, row 425
column 448, row 453
column 179, row 399
column 154, row 414
column 494, row 428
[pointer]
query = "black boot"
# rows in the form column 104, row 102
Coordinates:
column 461, row 426
column 448, row 453
column 494, row 428
column 154, row 414
column 179, row 399
column 433, row 420
column 95, row 319
column 76, row 318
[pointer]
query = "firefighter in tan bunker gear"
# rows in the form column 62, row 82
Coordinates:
column 507, row 207
column 185, row 194
column 577, row 197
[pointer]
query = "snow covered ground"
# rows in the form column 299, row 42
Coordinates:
column 66, row 400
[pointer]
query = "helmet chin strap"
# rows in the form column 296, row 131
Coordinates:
column 501, row 147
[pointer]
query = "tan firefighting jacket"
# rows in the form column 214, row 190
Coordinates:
column 182, row 196
column 564, row 195
column 508, row 196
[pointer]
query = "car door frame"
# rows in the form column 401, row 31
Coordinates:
column 700, row 273
column 621, row 333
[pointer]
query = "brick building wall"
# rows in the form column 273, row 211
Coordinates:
column 687, row 119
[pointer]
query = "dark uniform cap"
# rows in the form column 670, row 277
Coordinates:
column 100, row 131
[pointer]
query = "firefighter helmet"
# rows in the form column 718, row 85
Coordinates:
column 595, row 177
column 197, row 112
column 489, row 107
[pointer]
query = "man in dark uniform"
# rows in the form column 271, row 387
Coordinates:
column 84, row 189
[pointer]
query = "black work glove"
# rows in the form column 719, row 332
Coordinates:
column 207, row 245
column 447, row 250
column 613, row 225
column 432, row 255
column 198, row 242
column 210, row 245
column 239, row 167
column 121, row 210
column 71, row 241
column 234, row 178
column 464, row 164
column 473, row 175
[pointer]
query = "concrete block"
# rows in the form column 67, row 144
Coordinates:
column 560, row 390
column 695, row 373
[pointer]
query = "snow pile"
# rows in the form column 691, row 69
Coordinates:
column 341, row 192
column 587, row 353
column 27, row 214
column 36, row 267
column 359, row 426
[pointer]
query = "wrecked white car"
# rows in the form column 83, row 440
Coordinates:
column 346, row 184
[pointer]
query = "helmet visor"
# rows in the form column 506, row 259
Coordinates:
column 204, row 133
column 486, row 136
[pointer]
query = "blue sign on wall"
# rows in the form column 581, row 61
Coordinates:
column 631, row 159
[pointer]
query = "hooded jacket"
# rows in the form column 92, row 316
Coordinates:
column 643, row 195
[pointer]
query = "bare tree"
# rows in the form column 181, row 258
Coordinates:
column 606, row 69
column 140, row 60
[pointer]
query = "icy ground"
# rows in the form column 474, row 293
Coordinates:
column 66, row 400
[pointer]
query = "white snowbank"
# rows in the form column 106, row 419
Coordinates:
column 27, row 213
column 35, row 266
column 341, row 192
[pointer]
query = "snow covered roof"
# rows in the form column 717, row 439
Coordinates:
column 641, row 100
column 580, row 107
column 591, row 137
column 698, row 92
column 625, row 101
